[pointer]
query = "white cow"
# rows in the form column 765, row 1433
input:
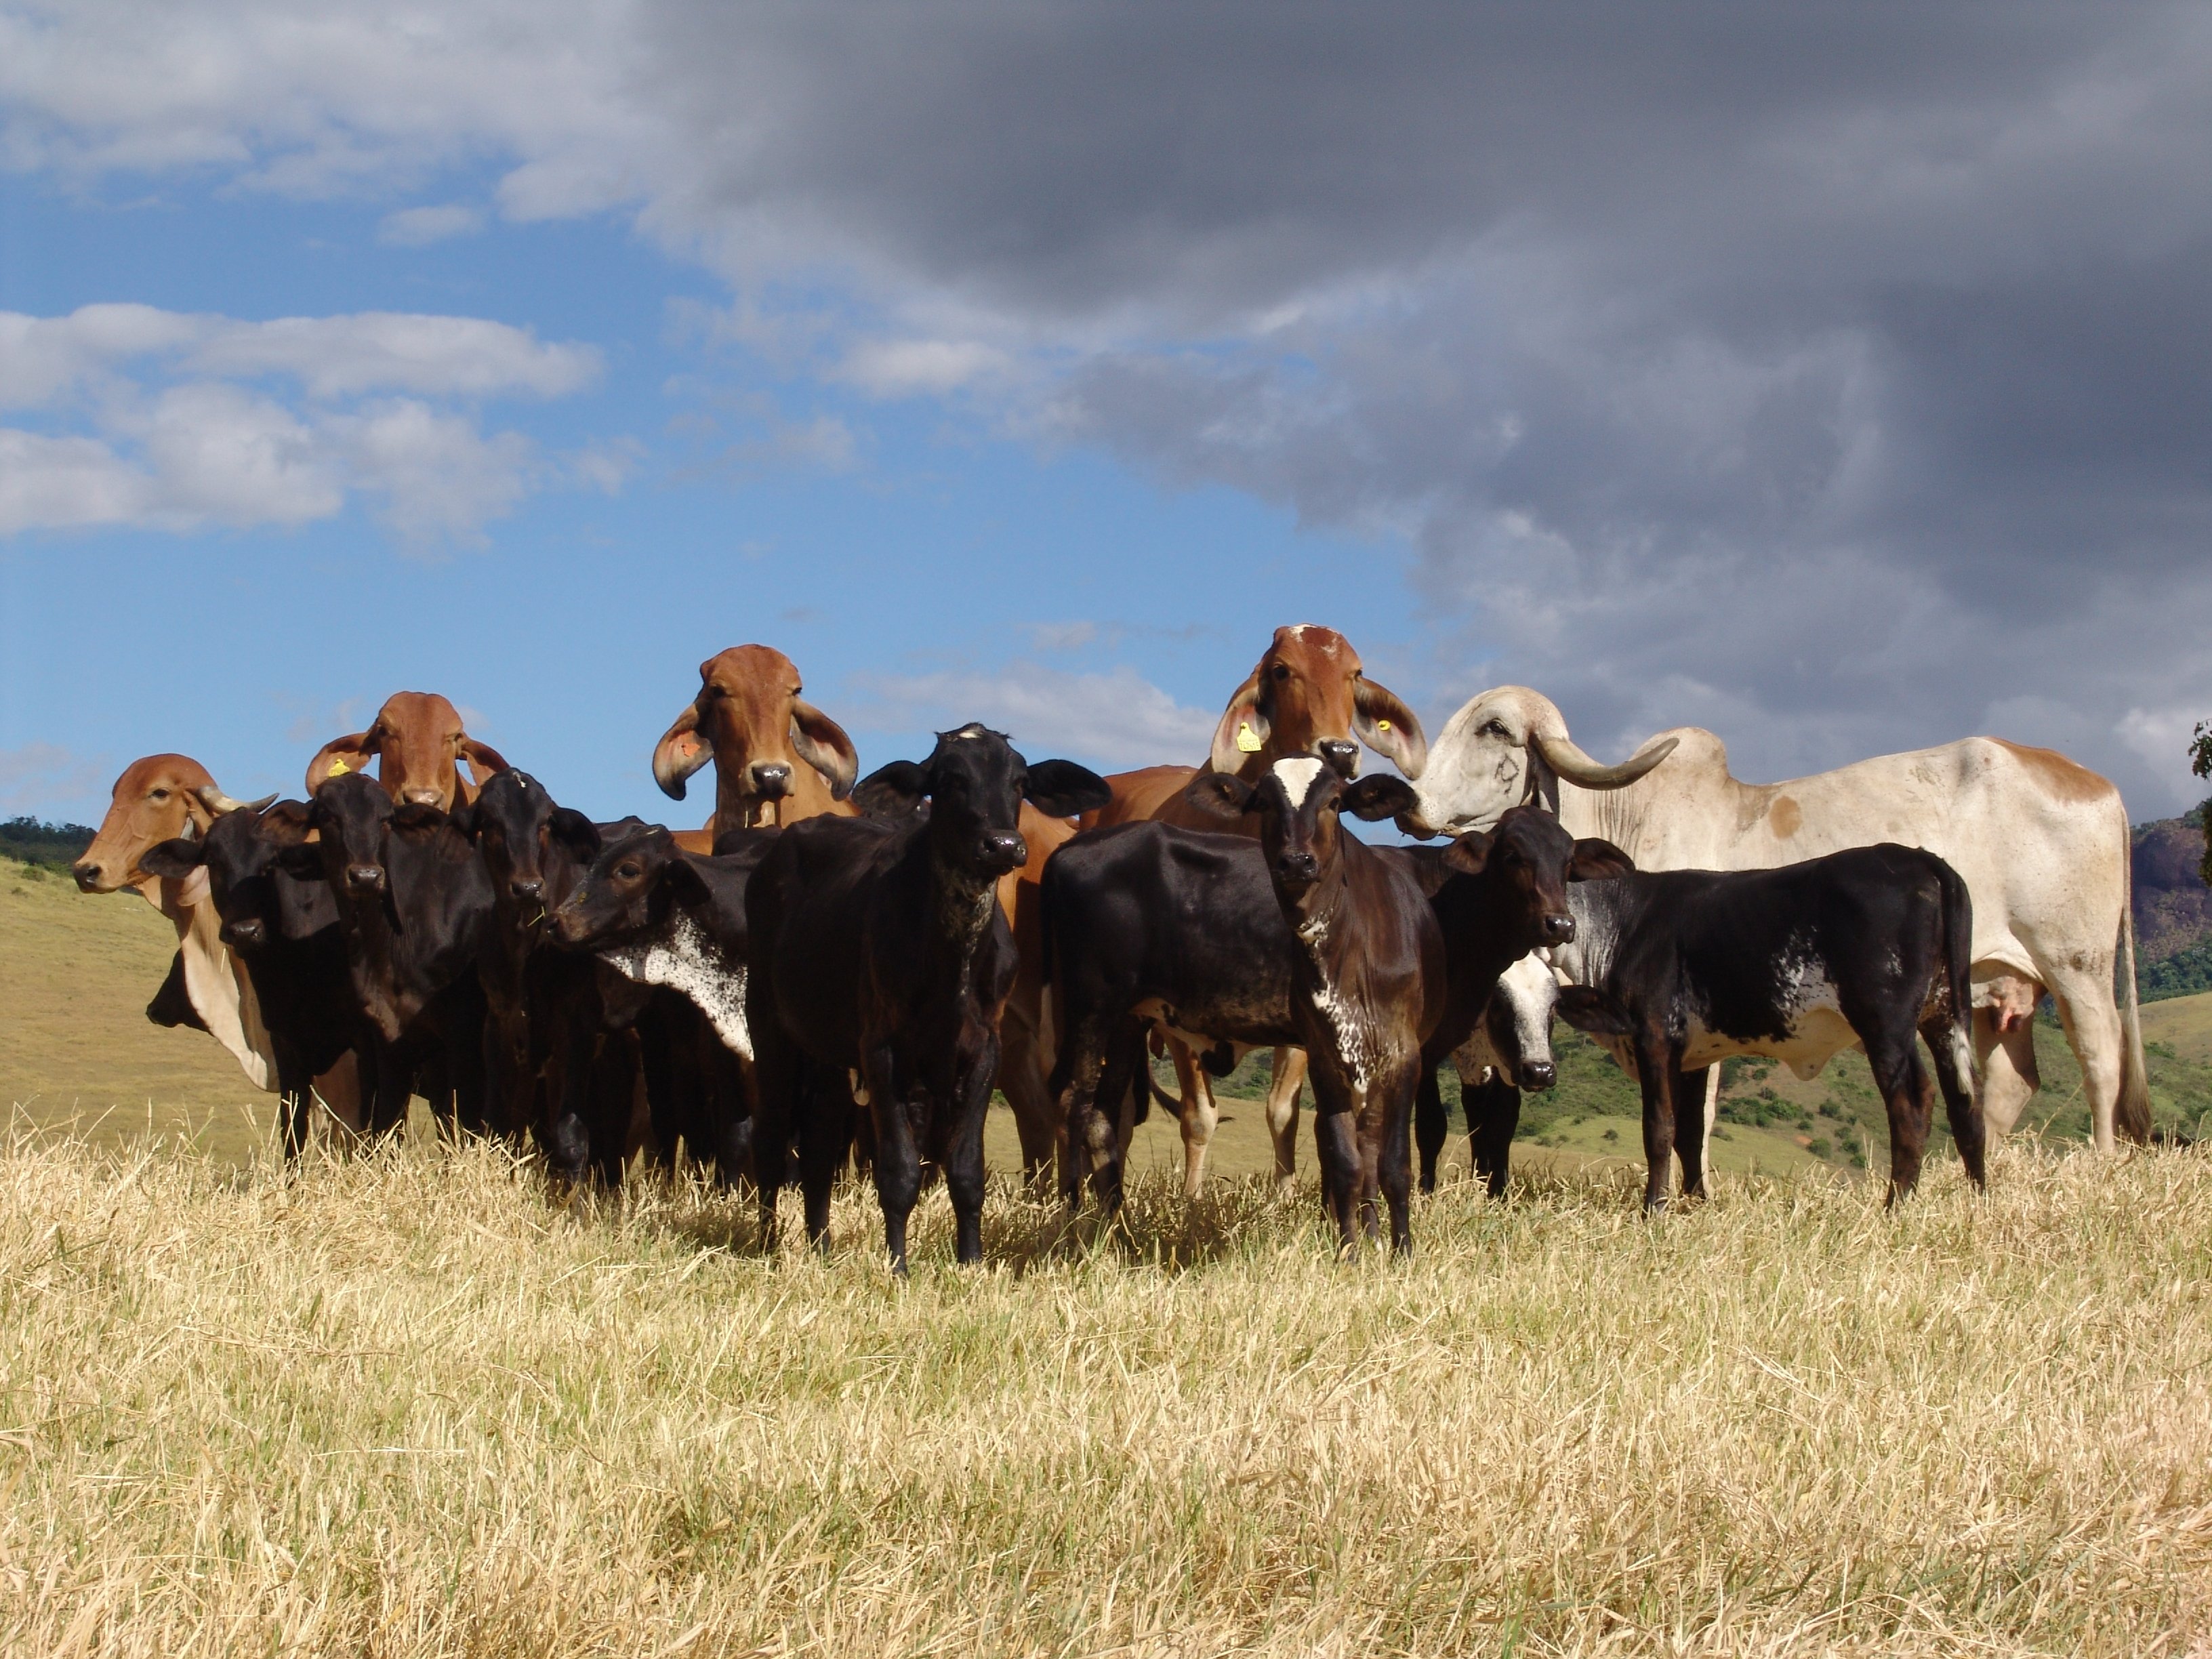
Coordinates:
column 2041, row 842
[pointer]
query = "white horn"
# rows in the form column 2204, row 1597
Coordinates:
column 222, row 805
column 1567, row 759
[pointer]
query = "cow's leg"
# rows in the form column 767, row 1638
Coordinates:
column 1283, row 1112
column 1950, row 1046
column 825, row 1135
column 1037, row 1120
column 898, row 1160
column 1199, row 1114
column 1430, row 1123
column 1394, row 1159
column 1694, row 1091
column 963, row 1145
column 1337, row 1143
column 2005, row 1053
column 780, row 1073
column 1658, row 1066
column 340, row 1091
column 1908, row 1095
column 1494, row 1115
column 2092, row 1023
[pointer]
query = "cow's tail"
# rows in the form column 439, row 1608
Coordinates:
column 2131, row 1113
column 1958, row 972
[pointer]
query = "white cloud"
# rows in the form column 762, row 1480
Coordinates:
column 418, row 227
column 907, row 368
column 35, row 776
column 2162, row 737
column 184, row 428
column 1116, row 720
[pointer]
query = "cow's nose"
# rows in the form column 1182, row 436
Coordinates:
column 772, row 780
column 1299, row 869
column 365, row 877
column 1005, row 848
column 1340, row 754
column 420, row 797
column 246, row 934
column 1558, row 929
column 87, row 876
column 529, row 892
column 1538, row 1074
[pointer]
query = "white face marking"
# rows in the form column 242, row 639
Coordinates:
column 1297, row 775
column 687, row 962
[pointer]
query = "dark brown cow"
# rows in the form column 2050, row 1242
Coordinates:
column 1308, row 695
column 778, row 759
column 419, row 748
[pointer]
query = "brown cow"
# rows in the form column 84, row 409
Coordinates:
column 1308, row 695
column 777, row 758
column 420, row 748
column 168, row 797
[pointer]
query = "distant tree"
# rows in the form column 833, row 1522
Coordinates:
column 2200, row 762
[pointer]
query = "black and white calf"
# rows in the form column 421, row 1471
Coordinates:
column 1509, row 1052
column 1675, row 969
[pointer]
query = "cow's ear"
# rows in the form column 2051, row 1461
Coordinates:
column 303, row 861
column 1589, row 1009
column 1376, row 797
column 1598, row 861
column 1221, row 795
column 574, row 834
column 1243, row 731
column 463, row 818
column 416, row 815
column 1062, row 789
column 1468, row 853
column 176, row 860
column 821, row 743
column 1385, row 725
column 892, row 791
column 684, row 882
column 339, row 756
column 680, row 753
column 484, row 761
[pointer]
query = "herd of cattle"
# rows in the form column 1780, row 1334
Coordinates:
column 839, row 969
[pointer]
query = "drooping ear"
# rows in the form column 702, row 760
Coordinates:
column 1598, row 861
column 1378, row 797
column 1469, row 854
column 341, row 756
column 463, row 818
column 685, row 885
column 484, row 761
column 680, row 753
column 892, row 791
column 1589, row 1009
column 1062, row 789
column 1243, row 731
column 574, row 834
column 821, row 743
column 176, row 860
column 413, row 815
column 1222, row 794
column 1385, row 725
column 302, row 861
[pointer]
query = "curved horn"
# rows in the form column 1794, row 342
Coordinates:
column 680, row 753
column 222, row 805
column 1566, row 757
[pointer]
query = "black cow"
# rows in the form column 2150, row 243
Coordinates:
column 674, row 922
column 285, row 929
column 414, row 905
column 878, row 948
column 1509, row 1052
column 1682, row 968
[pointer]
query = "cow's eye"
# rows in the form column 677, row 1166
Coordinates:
column 160, row 795
column 629, row 872
column 1494, row 729
column 1282, row 673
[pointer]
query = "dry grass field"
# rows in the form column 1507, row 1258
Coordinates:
column 414, row 1403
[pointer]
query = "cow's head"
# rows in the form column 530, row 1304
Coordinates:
column 1504, row 749
column 241, row 854
column 750, row 721
column 1516, row 1027
column 1309, row 697
column 628, row 887
column 348, row 816
column 419, row 748
column 1527, row 862
column 975, row 782
column 160, row 798
column 531, row 847
column 1298, row 801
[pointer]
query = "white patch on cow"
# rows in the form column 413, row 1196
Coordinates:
column 685, row 960
column 1297, row 775
column 1812, row 1017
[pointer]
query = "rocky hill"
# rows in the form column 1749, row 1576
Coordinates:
column 2173, row 908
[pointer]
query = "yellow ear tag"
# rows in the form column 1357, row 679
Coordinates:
column 336, row 767
column 1248, row 742
column 1382, row 726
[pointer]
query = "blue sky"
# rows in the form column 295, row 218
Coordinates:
column 1840, row 384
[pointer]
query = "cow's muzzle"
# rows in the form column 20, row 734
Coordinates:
column 1558, row 929
column 771, row 781
column 1535, row 1074
column 1003, row 849
column 247, row 935
column 1340, row 755
column 89, row 877
column 365, row 877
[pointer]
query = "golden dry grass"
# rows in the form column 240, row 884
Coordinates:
column 408, row 1405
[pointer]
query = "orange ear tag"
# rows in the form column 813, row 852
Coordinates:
column 1248, row 741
